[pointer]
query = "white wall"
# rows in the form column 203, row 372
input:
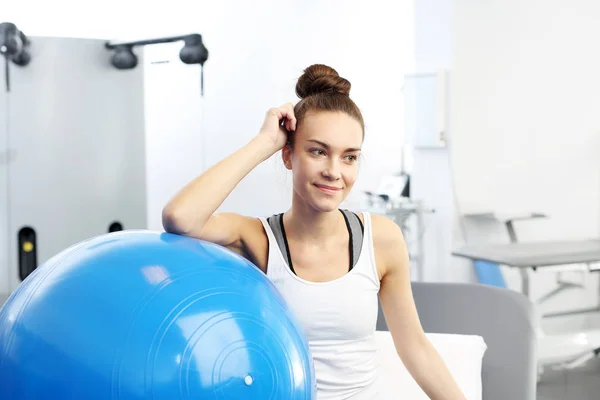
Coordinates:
column 432, row 179
column 257, row 50
column 525, row 95
column 523, row 128
column 526, row 100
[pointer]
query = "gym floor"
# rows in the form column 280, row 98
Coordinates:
column 578, row 384
column 581, row 383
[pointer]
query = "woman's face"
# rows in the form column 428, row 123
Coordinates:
column 324, row 160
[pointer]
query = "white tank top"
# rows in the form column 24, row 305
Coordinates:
column 339, row 319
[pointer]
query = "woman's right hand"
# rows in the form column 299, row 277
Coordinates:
column 279, row 122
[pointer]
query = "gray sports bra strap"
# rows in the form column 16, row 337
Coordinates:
column 276, row 226
column 355, row 227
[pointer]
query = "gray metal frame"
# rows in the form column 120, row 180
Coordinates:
column 543, row 254
column 534, row 255
column 505, row 319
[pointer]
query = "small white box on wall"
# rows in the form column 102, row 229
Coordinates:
column 425, row 109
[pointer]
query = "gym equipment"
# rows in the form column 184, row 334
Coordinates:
column 558, row 351
column 72, row 152
column 193, row 52
column 72, row 142
column 392, row 199
column 140, row 314
column 14, row 46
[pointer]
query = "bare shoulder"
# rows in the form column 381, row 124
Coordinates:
column 389, row 245
column 385, row 231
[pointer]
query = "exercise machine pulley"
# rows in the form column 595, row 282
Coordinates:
column 192, row 52
column 14, row 46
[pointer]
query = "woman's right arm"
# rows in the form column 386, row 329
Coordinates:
column 191, row 212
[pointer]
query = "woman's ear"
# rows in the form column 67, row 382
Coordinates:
column 286, row 156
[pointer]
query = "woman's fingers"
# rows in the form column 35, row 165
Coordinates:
column 287, row 111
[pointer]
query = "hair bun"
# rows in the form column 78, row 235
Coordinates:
column 319, row 78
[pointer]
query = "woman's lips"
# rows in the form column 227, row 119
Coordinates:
column 328, row 189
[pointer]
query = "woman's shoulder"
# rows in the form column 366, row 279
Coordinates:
column 388, row 243
column 385, row 231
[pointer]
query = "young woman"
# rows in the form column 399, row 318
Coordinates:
column 329, row 264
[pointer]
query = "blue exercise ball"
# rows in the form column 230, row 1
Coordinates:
column 148, row 315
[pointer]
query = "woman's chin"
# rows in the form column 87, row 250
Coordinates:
column 326, row 205
column 320, row 202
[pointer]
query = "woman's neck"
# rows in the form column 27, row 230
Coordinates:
column 303, row 222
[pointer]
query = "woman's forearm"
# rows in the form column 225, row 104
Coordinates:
column 430, row 372
column 195, row 203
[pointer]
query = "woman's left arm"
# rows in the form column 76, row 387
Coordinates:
column 418, row 355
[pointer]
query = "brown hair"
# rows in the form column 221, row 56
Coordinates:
column 321, row 88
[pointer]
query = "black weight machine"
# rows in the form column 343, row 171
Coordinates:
column 14, row 46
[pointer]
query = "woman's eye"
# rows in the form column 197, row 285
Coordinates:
column 317, row 152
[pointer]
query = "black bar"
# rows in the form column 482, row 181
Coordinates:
column 144, row 42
